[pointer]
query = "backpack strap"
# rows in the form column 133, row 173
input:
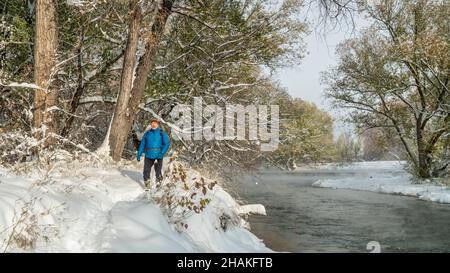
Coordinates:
column 145, row 137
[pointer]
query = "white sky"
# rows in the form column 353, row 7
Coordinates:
column 303, row 81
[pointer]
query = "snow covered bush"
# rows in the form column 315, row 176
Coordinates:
column 16, row 147
column 18, row 152
column 184, row 193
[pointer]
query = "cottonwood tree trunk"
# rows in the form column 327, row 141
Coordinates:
column 122, row 124
column 426, row 167
column 423, row 159
column 46, row 42
column 118, row 137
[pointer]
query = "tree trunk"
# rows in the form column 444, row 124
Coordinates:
column 46, row 42
column 147, row 60
column 424, row 162
column 142, row 71
column 118, row 135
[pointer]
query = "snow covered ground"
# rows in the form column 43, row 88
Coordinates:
column 384, row 177
column 80, row 207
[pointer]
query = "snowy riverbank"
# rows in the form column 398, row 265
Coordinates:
column 384, row 177
column 82, row 208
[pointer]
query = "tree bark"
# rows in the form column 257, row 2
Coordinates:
column 46, row 42
column 145, row 64
column 424, row 166
column 118, row 137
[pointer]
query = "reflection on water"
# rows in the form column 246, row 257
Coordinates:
column 302, row 218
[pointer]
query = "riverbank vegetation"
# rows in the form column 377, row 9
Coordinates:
column 79, row 74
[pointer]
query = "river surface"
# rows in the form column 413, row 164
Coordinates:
column 303, row 218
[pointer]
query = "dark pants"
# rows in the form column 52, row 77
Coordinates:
column 148, row 164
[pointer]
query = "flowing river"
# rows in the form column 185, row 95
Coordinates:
column 303, row 218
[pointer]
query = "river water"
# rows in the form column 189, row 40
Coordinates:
column 303, row 218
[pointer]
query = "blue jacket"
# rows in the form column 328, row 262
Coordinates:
column 154, row 144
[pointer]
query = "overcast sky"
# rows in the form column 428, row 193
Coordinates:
column 303, row 81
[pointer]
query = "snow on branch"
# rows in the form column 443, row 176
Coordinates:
column 21, row 85
column 79, row 146
column 219, row 88
column 100, row 99
column 171, row 125
column 97, row 99
column 109, row 38
column 160, row 67
column 76, row 3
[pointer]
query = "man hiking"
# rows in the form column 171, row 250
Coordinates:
column 154, row 144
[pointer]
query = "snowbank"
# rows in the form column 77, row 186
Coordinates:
column 385, row 177
column 77, row 208
column 356, row 166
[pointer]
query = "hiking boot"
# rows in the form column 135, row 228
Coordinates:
column 147, row 184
